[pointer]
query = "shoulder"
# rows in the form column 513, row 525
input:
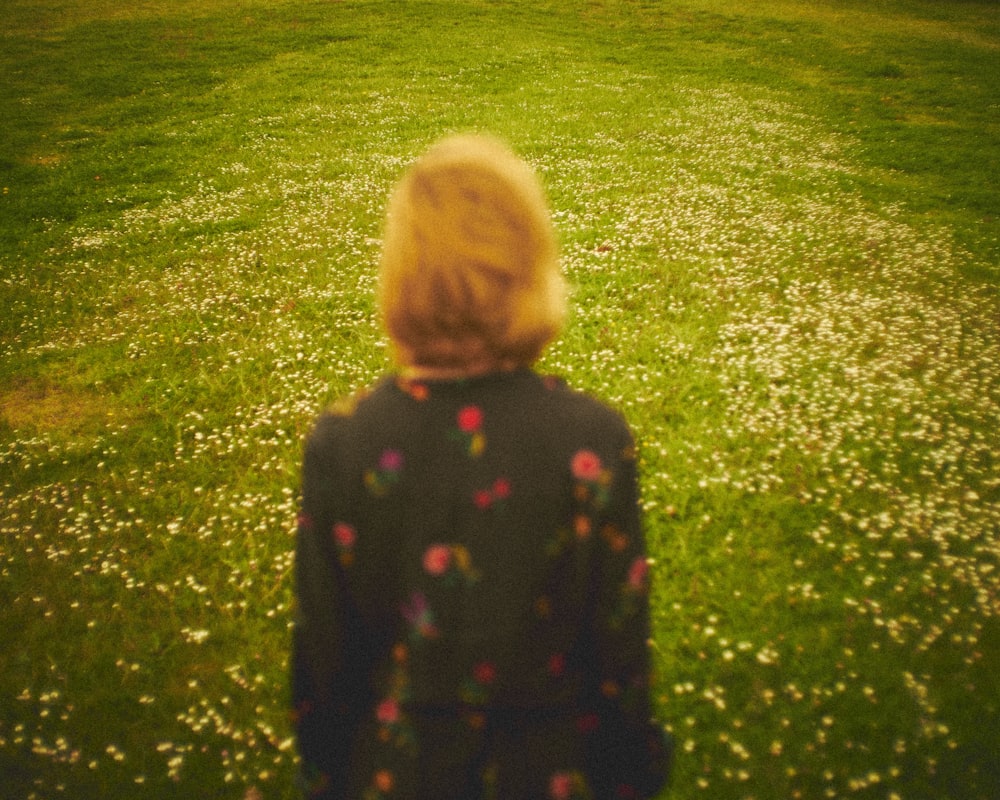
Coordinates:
column 585, row 412
column 338, row 425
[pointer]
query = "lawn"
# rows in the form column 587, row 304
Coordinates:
column 781, row 225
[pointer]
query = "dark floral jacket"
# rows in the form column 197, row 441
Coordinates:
column 472, row 598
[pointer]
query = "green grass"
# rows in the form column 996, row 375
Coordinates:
column 781, row 225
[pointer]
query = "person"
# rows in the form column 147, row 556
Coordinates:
column 471, row 576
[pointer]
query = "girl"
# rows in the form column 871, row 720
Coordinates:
column 471, row 574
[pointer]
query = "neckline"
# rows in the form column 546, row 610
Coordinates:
column 443, row 374
column 467, row 379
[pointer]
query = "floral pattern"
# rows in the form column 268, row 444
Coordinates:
column 408, row 607
column 416, row 389
column 593, row 480
column 418, row 613
column 385, row 474
column 383, row 782
column 568, row 786
column 492, row 496
column 344, row 537
column 475, row 689
column 449, row 562
column 469, row 430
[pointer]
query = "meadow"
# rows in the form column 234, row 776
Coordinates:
column 780, row 222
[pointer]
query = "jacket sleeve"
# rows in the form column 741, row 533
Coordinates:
column 630, row 750
column 329, row 659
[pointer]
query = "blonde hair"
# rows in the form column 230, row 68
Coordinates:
column 470, row 268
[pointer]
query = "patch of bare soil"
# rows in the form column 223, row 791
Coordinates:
column 44, row 408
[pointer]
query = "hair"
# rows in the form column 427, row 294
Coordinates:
column 469, row 275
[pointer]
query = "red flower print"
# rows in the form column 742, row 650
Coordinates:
column 616, row 540
column 484, row 672
column 388, row 712
column 588, row 723
column 344, row 535
column 450, row 562
column 470, row 419
column 566, row 785
column 474, row 690
column 437, row 559
column 637, row 575
column 483, row 499
column 557, row 664
column 586, row 465
column 304, row 521
column 560, row 786
column 415, row 389
column 384, row 781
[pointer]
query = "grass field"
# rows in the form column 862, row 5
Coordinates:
column 781, row 225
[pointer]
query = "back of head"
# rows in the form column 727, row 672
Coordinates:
column 470, row 275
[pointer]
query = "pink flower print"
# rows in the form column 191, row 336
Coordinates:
column 390, row 461
column 380, row 480
column 586, row 466
column 437, row 559
column 418, row 613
